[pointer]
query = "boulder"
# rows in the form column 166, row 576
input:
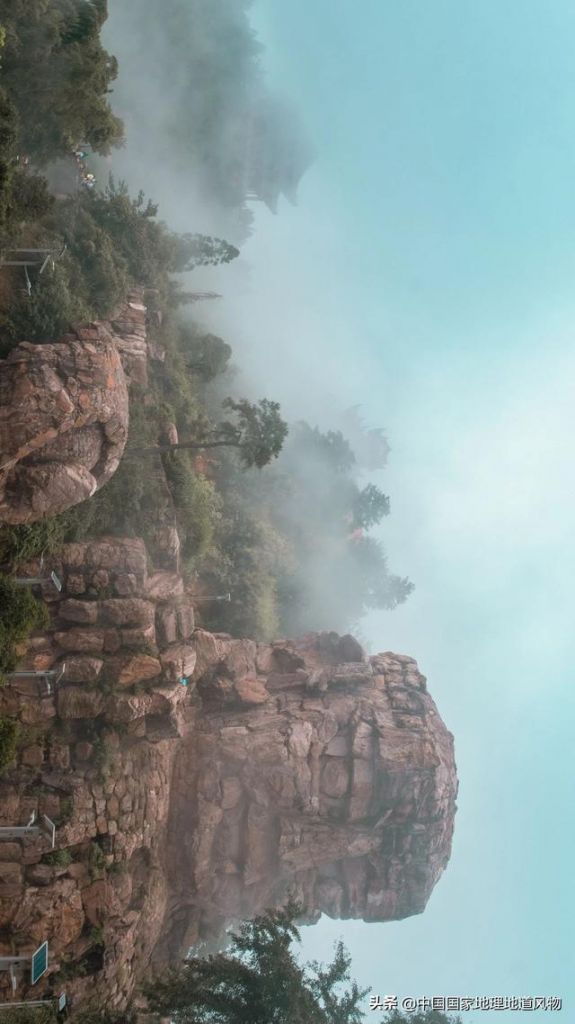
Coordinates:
column 177, row 661
column 63, row 424
column 127, row 671
column 75, row 702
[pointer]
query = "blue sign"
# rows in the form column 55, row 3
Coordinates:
column 39, row 962
column 61, row 1002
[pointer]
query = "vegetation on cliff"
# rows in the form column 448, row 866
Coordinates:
column 260, row 980
column 20, row 613
column 56, row 78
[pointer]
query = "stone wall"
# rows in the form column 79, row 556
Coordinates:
column 96, row 756
column 299, row 767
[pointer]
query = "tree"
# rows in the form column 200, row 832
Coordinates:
column 370, row 506
column 258, row 433
column 211, row 356
column 260, row 981
column 202, row 251
column 330, row 449
column 390, row 591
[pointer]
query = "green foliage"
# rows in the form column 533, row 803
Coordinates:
column 47, row 313
column 20, row 613
column 30, row 198
column 96, row 860
column 149, row 248
column 96, row 263
column 201, row 251
column 66, row 810
column 329, row 571
column 369, row 507
column 58, row 75
column 259, row 433
column 58, row 858
column 8, row 134
column 30, row 540
column 260, row 981
column 97, row 936
column 197, row 503
column 209, row 356
column 9, row 731
column 38, row 1015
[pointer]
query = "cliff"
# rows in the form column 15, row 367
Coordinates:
column 298, row 767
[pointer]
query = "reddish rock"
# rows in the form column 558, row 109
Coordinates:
column 82, row 669
column 127, row 611
column 75, row 584
column 177, row 661
column 32, row 756
column 250, row 691
column 166, row 625
column 100, row 580
column 10, row 874
column 329, row 797
column 84, row 641
column 164, row 585
column 126, row 584
column 85, row 612
column 136, row 669
column 75, row 702
column 167, row 546
column 63, row 424
column 139, row 637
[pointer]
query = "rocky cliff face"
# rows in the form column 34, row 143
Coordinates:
column 299, row 767
column 317, row 772
column 64, row 413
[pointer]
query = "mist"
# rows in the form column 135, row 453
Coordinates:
column 436, row 292
column 203, row 130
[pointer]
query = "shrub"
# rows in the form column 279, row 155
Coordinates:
column 20, row 613
column 96, row 860
column 30, row 198
column 9, row 730
column 30, row 540
column 47, row 312
column 58, row 858
column 198, row 504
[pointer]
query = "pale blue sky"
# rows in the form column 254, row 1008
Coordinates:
column 431, row 264
column 428, row 274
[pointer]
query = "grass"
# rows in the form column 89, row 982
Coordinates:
column 58, row 858
column 9, row 730
column 20, row 613
column 96, row 861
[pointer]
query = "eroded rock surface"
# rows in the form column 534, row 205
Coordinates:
column 299, row 767
column 64, row 413
column 314, row 775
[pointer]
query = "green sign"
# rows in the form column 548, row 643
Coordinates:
column 39, row 962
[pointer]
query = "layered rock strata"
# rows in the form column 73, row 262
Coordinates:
column 316, row 772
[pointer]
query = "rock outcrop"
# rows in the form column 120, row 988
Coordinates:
column 297, row 768
column 315, row 772
column 64, row 413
